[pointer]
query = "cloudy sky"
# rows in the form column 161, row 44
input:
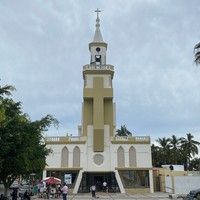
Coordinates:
column 44, row 44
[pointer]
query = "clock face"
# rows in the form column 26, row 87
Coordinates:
column 98, row 49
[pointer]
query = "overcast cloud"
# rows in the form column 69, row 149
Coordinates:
column 44, row 44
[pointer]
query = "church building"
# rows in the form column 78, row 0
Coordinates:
column 97, row 155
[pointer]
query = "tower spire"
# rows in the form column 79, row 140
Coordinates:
column 97, row 35
column 97, row 20
column 98, row 47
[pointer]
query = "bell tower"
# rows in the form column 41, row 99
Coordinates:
column 98, row 109
column 98, row 47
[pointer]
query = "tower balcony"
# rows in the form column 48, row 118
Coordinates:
column 98, row 69
column 83, row 139
column 65, row 140
column 131, row 140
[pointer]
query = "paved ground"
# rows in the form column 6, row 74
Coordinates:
column 115, row 196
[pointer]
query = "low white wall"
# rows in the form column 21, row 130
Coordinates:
column 182, row 184
column 168, row 184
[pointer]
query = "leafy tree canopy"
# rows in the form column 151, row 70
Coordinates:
column 180, row 151
column 22, row 148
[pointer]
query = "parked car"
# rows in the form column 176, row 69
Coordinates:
column 14, row 185
column 23, row 188
column 193, row 195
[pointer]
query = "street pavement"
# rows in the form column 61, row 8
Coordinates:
column 114, row 196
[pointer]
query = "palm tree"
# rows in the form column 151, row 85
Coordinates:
column 197, row 53
column 6, row 90
column 155, row 152
column 189, row 147
column 195, row 164
column 174, row 144
column 123, row 131
column 165, row 149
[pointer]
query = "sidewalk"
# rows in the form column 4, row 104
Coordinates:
column 113, row 196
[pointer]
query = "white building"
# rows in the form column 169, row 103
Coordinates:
column 96, row 154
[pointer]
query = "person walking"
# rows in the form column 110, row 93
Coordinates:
column 93, row 190
column 64, row 191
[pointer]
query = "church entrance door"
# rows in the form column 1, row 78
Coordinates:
column 90, row 178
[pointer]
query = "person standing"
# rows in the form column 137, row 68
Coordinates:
column 64, row 191
column 27, row 195
column 35, row 189
column 38, row 186
column 14, row 194
column 105, row 186
column 48, row 191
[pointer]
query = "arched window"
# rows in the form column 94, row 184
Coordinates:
column 132, row 157
column 120, row 157
column 76, row 157
column 64, row 157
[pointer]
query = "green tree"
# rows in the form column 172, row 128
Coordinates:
column 197, row 53
column 22, row 148
column 123, row 131
column 175, row 150
column 189, row 148
column 156, row 154
column 195, row 164
column 174, row 146
column 6, row 90
column 164, row 144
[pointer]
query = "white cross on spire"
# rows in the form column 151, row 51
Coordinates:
column 97, row 11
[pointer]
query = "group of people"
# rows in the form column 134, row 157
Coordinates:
column 14, row 195
column 58, row 191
